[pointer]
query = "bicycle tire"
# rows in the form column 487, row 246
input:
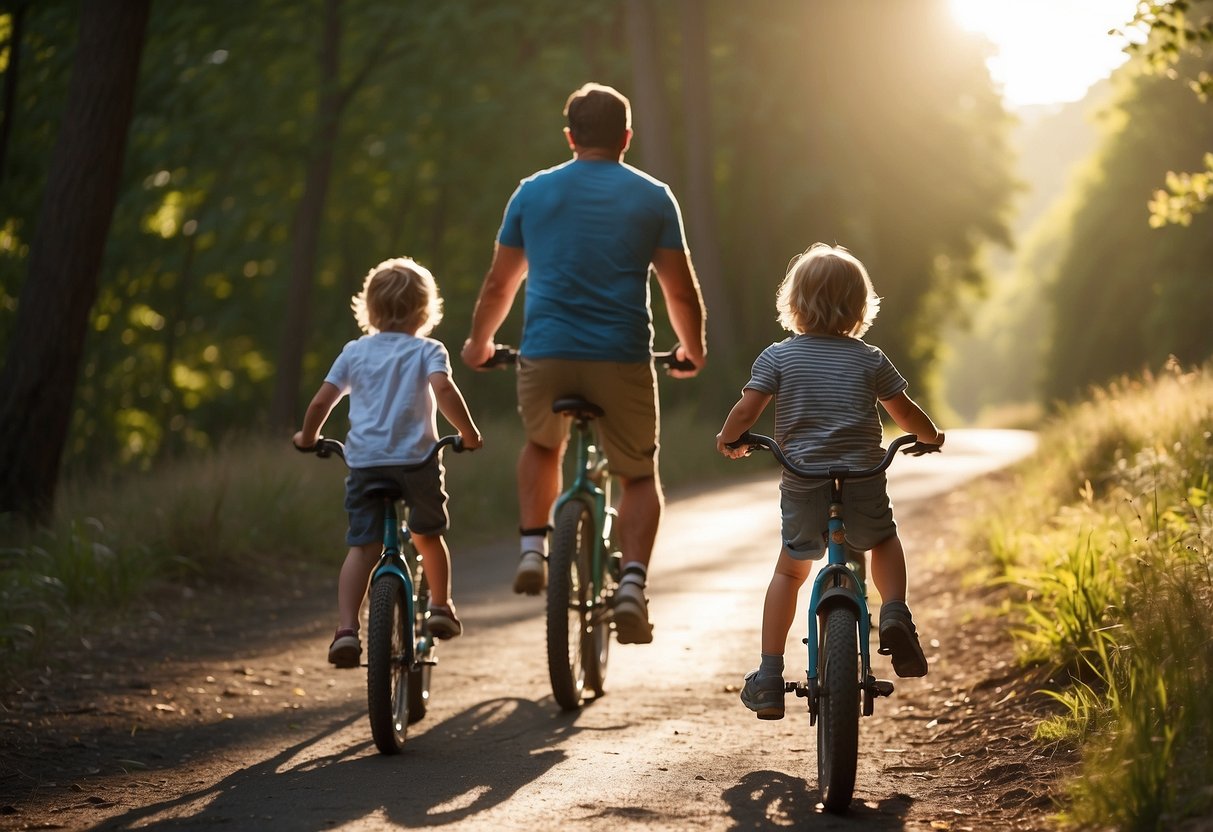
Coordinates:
column 389, row 647
column 568, row 620
column 419, row 675
column 838, row 708
column 596, row 647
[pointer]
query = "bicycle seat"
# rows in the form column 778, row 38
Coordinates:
column 384, row 493
column 577, row 406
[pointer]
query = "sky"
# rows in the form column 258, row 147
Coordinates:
column 1048, row 51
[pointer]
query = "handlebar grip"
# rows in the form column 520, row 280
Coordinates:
column 503, row 356
column 746, row 438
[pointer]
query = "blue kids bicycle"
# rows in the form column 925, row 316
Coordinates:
column 401, row 650
column 840, row 683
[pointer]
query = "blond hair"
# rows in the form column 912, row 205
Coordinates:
column 827, row 291
column 398, row 295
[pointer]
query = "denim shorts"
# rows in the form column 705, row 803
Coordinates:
column 423, row 491
column 866, row 511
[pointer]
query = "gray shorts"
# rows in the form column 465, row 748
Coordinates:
column 866, row 511
column 423, row 492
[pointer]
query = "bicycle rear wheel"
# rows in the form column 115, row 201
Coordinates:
column 838, row 708
column 389, row 649
column 570, row 629
column 419, row 676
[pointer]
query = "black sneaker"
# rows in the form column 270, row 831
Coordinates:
column 899, row 640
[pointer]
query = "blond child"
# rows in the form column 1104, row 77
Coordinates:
column 826, row 383
column 396, row 378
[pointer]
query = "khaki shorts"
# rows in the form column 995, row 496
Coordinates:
column 627, row 393
column 866, row 511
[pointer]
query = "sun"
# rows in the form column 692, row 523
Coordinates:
column 1048, row 51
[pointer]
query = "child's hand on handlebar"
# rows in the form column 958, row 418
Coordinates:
column 471, row 441
column 734, row 452
column 297, row 439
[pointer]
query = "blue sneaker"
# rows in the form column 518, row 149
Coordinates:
column 763, row 695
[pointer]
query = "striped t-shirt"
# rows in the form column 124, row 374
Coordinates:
column 826, row 389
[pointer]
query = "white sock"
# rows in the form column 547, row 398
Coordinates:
column 535, row 543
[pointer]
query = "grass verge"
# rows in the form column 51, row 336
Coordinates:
column 1107, row 543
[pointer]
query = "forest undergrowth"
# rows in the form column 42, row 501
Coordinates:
column 1106, row 544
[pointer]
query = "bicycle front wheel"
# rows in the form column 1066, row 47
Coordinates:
column 569, row 626
column 389, row 648
column 419, row 676
column 838, row 707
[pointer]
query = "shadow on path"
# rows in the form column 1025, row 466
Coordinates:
column 767, row 799
column 465, row 765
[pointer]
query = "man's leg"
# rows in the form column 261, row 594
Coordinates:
column 538, row 487
column 639, row 515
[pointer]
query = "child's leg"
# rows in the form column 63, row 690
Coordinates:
column 436, row 560
column 898, row 635
column 351, row 585
column 780, row 608
column 889, row 569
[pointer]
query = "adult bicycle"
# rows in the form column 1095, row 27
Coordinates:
column 584, row 562
column 401, row 650
column 839, row 683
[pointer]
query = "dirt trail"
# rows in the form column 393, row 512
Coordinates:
column 220, row 711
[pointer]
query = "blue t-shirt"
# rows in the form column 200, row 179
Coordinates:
column 589, row 230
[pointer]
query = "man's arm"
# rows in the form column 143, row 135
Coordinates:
column 684, row 304
column 496, row 297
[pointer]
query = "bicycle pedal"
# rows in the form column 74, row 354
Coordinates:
column 882, row 687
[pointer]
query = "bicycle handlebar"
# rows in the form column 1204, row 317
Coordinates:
column 757, row 440
column 504, row 356
column 325, row 448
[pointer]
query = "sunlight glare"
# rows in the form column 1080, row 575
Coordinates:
column 1048, row 51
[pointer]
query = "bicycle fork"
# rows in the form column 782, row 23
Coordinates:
column 837, row 585
column 418, row 647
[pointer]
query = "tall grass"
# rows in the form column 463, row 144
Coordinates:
column 242, row 514
column 1109, row 543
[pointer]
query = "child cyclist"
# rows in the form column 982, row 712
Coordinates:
column 826, row 383
column 395, row 378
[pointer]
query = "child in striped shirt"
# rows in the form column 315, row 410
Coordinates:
column 826, row 383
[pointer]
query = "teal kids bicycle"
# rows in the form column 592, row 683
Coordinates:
column 584, row 563
column 401, row 650
column 839, row 683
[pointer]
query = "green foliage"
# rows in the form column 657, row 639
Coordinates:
column 1125, row 295
column 1114, row 581
column 459, row 100
column 1173, row 29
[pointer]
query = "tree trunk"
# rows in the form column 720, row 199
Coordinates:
column 39, row 377
column 305, row 231
column 701, row 189
column 11, row 73
column 650, row 114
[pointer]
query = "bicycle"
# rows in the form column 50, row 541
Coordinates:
column 401, row 650
column 839, row 678
column 584, row 564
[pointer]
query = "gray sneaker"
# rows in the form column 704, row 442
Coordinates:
column 763, row 695
column 531, row 578
column 631, row 611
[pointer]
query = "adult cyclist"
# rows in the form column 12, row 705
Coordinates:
column 584, row 234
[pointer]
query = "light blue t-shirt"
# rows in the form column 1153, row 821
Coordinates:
column 393, row 414
column 826, row 389
column 589, row 230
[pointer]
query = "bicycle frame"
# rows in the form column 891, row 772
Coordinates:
column 393, row 564
column 836, row 583
column 592, row 486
